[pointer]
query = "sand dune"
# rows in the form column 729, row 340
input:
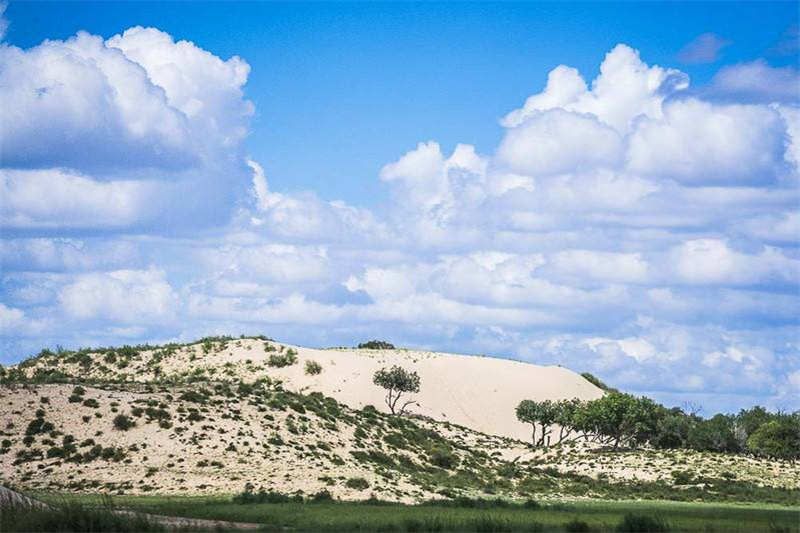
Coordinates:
column 476, row 392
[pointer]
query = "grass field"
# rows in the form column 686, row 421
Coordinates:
column 551, row 516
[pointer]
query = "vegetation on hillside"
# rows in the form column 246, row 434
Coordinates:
column 80, row 413
column 623, row 420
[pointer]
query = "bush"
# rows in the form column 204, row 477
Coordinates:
column 376, row 345
column 577, row 526
column 641, row 523
column 594, row 380
column 357, row 483
column 443, row 459
column 321, row 497
column 280, row 360
column 313, row 368
column 123, row 422
column 265, row 496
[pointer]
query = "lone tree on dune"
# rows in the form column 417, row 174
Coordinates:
column 397, row 381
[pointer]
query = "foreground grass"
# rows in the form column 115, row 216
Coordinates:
column 597, row 516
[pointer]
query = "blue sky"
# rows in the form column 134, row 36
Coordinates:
column 608, row 186
column 373, row 79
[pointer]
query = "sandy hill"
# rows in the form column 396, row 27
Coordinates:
column 479, row 393
column 218, row 415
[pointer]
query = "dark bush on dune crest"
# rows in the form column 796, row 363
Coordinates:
column 376, row 345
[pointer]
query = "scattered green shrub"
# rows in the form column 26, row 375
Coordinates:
column 357, row 483
column 280, row 360
column 123, row 422
column 313, row 368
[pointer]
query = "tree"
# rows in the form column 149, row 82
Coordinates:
column 531, row 412
column 672, row 430
column 619, row 419
column 748, row 421
column 565, row 411
column 714, row 435
column 778, row 439
column 397, row 381
column 546, row 414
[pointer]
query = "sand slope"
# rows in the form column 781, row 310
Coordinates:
column 476, row 392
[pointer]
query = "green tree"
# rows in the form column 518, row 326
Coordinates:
column 565, row 411
column 714, row 435
column 672, row 430
column 748, row 421
column 397, row 381
column 533, row 413
column 619, row 419
column 778, row 438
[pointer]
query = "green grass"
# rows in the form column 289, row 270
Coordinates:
column 600, row 516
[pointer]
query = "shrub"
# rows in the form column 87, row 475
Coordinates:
column 91, row 402
column 262, row 496
column 443, row 458
column 357, row 483
column 594, row 380
column 577, row 526
column 313, row 368
column 280, row 360
column 641, row 523
column 376, row 345
column 123, row 422
column 194, row 416
column 321, row 496
column 682, row 477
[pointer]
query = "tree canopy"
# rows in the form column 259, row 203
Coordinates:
column 397, row 381
column 622, row 420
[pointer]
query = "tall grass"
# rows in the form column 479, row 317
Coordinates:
column 70, row 516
